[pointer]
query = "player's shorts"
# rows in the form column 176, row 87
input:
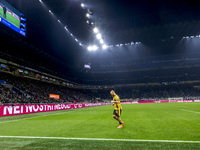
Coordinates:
column 117, row 112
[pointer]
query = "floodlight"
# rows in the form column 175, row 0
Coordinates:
column 87, row 15
column 101, row 41
column 82, row 5
column 104, row 46
column 95, row 30
column 99, row 36
column 89, row 48
column 94, row 47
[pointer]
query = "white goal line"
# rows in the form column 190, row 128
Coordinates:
column 99, row 139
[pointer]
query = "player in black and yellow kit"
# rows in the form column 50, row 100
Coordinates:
column 118, row 109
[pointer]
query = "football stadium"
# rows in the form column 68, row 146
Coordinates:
column 99, row 74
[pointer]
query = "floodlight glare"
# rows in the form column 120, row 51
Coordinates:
column 87, row 15
column 101, row 41
column 99, row 36
column 66, row 28
column 82, row 5
column 40, row 1
column 95, row 30
column 94, row 47
column 89, row 48
column 104, row 46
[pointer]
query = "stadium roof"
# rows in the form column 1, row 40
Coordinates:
column 58, row 29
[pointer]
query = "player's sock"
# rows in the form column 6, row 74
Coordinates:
column 121, row 123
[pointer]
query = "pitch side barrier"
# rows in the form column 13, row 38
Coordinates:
column 9, row 110
column 171, row 101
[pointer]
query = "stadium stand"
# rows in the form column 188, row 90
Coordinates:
column 27, row 90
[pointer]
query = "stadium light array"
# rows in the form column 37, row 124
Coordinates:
column 193, row 36
column 82, row 5
column 95, row 30
column 66, row 28
column 92, row 48
column 88, row 15
column 104, row 46
column 101, row 41
column 99, row 36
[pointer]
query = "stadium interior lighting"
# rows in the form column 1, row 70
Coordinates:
column 82, row 5
column 87, row 15
column 94, row 47
column 95, row 30
column 89, row 48
column 101, row 41
column 104, row 46
column 99, row 36
column 66, row 28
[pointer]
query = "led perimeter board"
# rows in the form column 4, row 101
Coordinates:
column 12, row 18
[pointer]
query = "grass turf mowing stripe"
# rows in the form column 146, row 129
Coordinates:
column 100, row 139
column 190, row 111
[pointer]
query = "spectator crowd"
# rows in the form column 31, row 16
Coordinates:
column 26, row 90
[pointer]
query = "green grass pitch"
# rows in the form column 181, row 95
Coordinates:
column 10, row 18
column 160, row 121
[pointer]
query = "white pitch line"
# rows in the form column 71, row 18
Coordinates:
column 41, row 116
column 190, row 111
column 99, row 139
